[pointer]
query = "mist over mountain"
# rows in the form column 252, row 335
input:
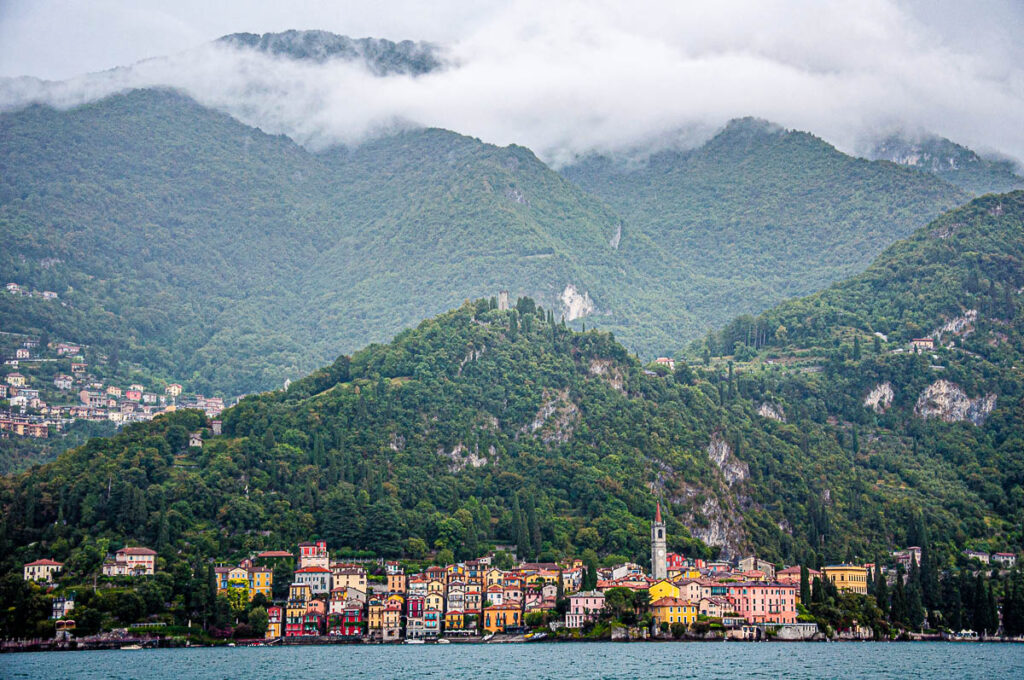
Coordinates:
column 951, row 161
column 591, row 79
column 383, row 57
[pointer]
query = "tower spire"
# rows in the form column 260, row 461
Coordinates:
column 657, row 514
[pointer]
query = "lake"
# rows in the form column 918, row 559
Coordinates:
column 563, row 661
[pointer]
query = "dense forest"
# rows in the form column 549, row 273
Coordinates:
column 484, row 425
column 228, row 260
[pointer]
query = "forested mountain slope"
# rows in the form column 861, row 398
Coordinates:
column 760, row 214
column 229, row 259
column 485, row 425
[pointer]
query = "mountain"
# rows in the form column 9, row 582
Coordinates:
column 759, row 214
column 383, row 57
column 206, row 252
column 484, row 425
column 950, row 161
column 229, row 260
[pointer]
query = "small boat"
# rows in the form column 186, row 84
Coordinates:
column 443, row 641
column 417, row 641
column 231, row 644
column 488, row 637
column 131, row 647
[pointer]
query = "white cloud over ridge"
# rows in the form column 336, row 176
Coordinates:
column 572, row 77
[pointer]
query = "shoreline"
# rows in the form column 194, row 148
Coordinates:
column 140, row 644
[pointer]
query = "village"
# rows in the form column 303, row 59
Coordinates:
column 46, row 388
column 496, row 599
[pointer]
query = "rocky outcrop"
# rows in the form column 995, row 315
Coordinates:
column 962, row 325
column 771, row 411
column 607, row 369
column 880, row 398
column 575, row 305
column 461, row 457
column 614, row 242
column 947, row 401
column 712, row 523
column 720, row 452
column 555, row 419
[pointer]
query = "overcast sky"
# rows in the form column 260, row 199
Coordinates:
column 561, row 77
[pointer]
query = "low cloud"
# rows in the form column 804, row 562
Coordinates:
column 570, row 78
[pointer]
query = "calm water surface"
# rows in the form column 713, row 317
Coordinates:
column 564, row 661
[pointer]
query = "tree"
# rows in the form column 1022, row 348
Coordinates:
column 805, row 585
column 258, row 621
column 881, row 589
column 1013, row 605
column 383, row 532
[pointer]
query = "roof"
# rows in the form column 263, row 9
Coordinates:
column 137, row 550
column 45, row 562
column 672, row 602
column 313, row 570
column 657, row 514
column 275, row 553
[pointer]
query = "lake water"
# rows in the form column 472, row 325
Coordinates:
column 564, row 661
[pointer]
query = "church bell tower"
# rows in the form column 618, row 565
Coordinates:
column 659, row 569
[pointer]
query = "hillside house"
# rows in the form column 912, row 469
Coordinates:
column 63, row 382
column 16, row 379
column 78, row 366
column 49, row 295
column 22, row 353
column 195, row 439
column 42, row 571
column 922, row 344
column 133, row 395
column 173, row 390
column 131, row 561
column 1005, row 559
column 979, row 555
column 670, row 364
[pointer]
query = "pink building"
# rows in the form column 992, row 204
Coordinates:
column 583, row 607
column 764, row 602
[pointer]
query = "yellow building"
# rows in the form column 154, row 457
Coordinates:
column 847, row 578
column 663, row 589
column 375, row 615
column 261, row 580
column 454, row 620
column 494, row 577
column 673, row 610
column 501, row 616
column 435, row 586
column 434, row 601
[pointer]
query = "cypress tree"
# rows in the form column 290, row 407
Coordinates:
column 979, row 619
column 805, row 586
column 534, row 526
column 881, row 589
column 898, row 609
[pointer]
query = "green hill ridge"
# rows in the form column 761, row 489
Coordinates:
column 451, row 434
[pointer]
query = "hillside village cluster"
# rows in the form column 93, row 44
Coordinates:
column 340, row 600
column 44, row 390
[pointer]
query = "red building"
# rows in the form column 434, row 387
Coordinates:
column 349, row 622
column 313, row 623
